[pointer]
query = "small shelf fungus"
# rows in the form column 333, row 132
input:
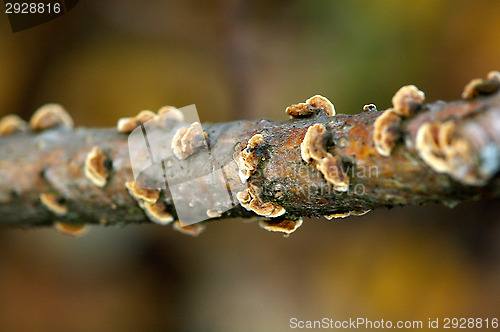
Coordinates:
column 74, row 230
column 407, row 100
column 171, row 114
column 248, row 159
column 55, row 204
column 313, row 145
column 97, row 167
column 386, row 132
column 313, row 149
column 369, row 108
column 127, row 125
column 193, row 229
column 250, row 199
column 347, row 214
column 214, row 213
column 284, row 225
column 144, row 194
column 157, row 212
column 50, row 116
column 444, row 150
column 188, row 140
column 11, row 124
column 313, row 106
column 480, row 87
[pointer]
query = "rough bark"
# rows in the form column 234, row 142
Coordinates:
column 52, row 161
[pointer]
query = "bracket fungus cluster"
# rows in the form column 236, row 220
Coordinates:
column 251, row 199
column 425, row 152
column 313, row 106
column 188, row 140
column 248, row 158
column 482, row 87
column 387, row 128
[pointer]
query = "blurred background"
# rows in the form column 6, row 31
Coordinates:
column 247, row 60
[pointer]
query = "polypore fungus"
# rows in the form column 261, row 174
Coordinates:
column 479, row 87
column 311, row 107
column 331, row 168
column 187, row 141
column 359, row 213
column 250, row 200
column 54, row 204
column 313, row 144
column 337, row 215
column 145, row 194
column 284, row 225
column 157, row 212
column 313, row 148
column 127, row 125
column 214, row 213
column 444, row 150
column 193, row 229
column 12, row 123
column 369, row 107
column 347, row 214
column 407, row 100
column 74, row 230
column 386, row 132
column 49, row 116
column 249, row 158
column 97, row 167
column 171, row 114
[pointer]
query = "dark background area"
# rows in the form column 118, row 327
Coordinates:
column 247, row 60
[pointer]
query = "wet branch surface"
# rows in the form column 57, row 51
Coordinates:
column 52, row 161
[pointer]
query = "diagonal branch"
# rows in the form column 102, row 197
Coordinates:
column 313, row 165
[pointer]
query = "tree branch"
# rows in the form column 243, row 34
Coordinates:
column 347, row 164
